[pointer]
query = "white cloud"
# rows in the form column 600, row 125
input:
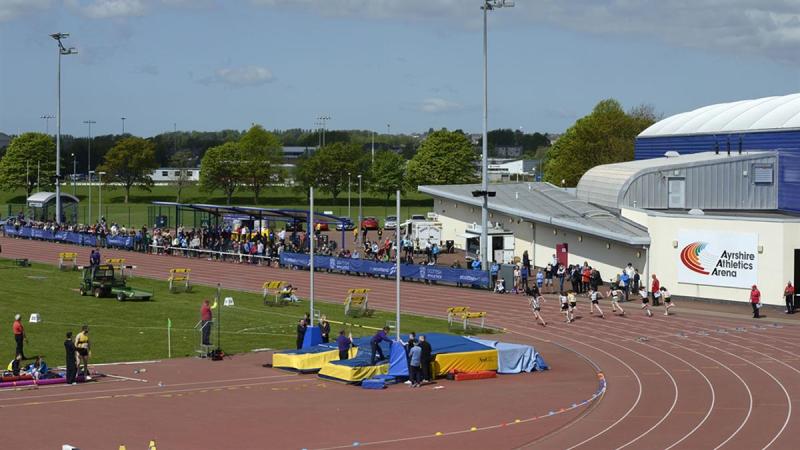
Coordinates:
column 240, row 76
column 10, row 9
column 106, row 9
column 759, row 27
column 439, row 105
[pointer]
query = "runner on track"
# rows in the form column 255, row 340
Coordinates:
column 667, row 300
column 645, row 301
column 536, row 307
column 595, row 297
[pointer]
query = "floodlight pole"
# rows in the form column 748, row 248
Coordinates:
column 311, row 230
column 359, row 239
column 89, row 165
column 61, row 51
column 349, row 217
column 397, row 270
column 488, row 5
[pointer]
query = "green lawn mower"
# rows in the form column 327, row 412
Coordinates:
column 105, row 281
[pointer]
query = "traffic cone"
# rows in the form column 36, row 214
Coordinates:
column 151, row 445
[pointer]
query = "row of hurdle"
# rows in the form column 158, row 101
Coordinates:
column 462, row 315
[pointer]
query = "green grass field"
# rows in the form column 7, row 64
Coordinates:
column 136, row 211
column 135, row 331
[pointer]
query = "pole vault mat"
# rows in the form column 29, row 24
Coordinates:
column 373, row 383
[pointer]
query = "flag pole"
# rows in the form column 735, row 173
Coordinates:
column 397, row 262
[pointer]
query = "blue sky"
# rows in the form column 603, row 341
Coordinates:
column 415, row 64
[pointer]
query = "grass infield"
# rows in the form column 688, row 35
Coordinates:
column 137, row 330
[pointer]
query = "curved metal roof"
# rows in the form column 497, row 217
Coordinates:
column 44, row 197
column 605, row 185
column 761, row 114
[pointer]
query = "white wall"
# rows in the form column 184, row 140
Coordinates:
column 778, row 238
column 540, row 240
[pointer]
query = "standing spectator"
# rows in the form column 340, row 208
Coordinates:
column 524, row 273
column 637, row 281
column 84, row 350
column 344, row 343
column 425, row 358
column 526, row 261
column 19, row 335
column 624, row 284
column 71, row 358
column 548, row 276
column 415, row 365
column 655, row 289
column 561, row 273
column 755, row 301
column 494, row 269
column 375, row 344
column 539, row 279
column 788, row 293
column 301, row 333
column 517, row 280
column 325, row 330
column 205, row 320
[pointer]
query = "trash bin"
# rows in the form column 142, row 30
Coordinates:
column 506, row 272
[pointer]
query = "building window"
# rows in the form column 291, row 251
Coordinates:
column 177, row 173
column 188, row 173
column 762, row 173
column 164, row 173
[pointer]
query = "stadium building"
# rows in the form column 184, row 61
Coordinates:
column 709, row 219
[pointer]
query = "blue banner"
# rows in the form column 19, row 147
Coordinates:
column 412, row 271
column 71, row 237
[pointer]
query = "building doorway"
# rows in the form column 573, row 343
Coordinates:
column 677, row 193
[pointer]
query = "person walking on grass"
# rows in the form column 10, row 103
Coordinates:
column 415, row 365
column 565, row 308
column 788, row 294
column 645, row 301
column 667, row 300
column 536, row 307
column 71, row 358
column 595, row 296
column 615, row 293
column 375, row 344
column 19, row 335
column 755, row 301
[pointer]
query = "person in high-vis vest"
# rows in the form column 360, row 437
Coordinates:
column 83, row 348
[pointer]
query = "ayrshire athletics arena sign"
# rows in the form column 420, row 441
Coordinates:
column 717, row 258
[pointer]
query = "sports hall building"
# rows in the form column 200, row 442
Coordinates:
column 711, row 204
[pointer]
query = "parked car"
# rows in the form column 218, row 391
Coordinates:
column 390, row 223
column 419, row 218
column 323, row 226
column 346, row 226
column 369, row 223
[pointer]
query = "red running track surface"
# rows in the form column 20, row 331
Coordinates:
column 689, row 381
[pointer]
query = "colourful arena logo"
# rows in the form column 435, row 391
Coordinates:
column 690, row 257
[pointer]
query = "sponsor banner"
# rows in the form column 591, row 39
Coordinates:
column 71, row 237
column 718, row 258
column 411, row 271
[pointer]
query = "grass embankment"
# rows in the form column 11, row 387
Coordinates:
column 137, row 330
column 136, row 210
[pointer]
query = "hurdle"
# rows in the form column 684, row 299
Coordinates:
column 119, row 264
column 456, row 312
column 274, row 289
column 357, row 302
column 67, row 258
column 178, row 276
column 474, row 315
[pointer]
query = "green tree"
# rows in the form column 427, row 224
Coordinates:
column 183, row 160
column 445, row 157
column 605, row 136
column 388, row 174
column 27, row 153
column 131, row 162
column 261, row 156
column 219, row 169
column 327, row 168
